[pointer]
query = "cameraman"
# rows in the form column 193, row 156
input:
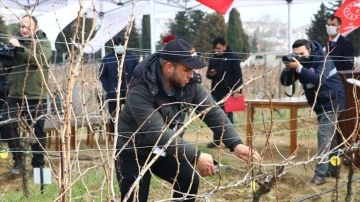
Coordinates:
column 27, row 93
column 324, row 92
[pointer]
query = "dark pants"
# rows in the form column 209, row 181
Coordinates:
column 10, row 130
column 180, row 174
column 112, row 110
column 3, row 105
column 229, row 115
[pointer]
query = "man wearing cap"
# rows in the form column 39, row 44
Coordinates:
column 167, row 39
column 161, row 93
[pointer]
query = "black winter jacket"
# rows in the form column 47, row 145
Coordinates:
column 151, row 116
column 4, row 83
column 228, row 64
column 318, row 72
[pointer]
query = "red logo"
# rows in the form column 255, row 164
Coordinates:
column 352, row 10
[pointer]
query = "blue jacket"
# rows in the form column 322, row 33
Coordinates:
column 342, row 53
column 108, row 73
column 331, row 94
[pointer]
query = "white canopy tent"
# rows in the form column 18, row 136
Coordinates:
column 114, row 14
column 52, row 16
column 154, row 7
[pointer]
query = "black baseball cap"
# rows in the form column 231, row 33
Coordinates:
column 181, row 51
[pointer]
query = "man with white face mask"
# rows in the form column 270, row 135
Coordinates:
column 109, row 71
column 342, row 53
column 339, row 48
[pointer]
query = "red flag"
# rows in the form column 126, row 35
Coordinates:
column 350, row 17
column 220, row 6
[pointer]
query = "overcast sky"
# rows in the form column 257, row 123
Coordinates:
column 301, row 14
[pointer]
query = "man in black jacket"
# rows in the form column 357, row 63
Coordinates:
column 224, row 71
column 339, row 48
column 151, row 126
column 324, row 92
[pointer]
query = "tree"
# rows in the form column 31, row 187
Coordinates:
column 246, row 48
column 354, row 37
column 187, row 24
column 196, row 19
column 13, row 29
column 317, row 30
column 254, row 44
column 134, row 40
column 213, row 26
column 181, row 27
column 236, row 35
column 146, row 34
column 334, row 6
column 3, row 31
column 68, row 36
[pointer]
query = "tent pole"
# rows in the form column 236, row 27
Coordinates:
column 289, row 25
column 152, row 26
column 101, row 18
column 289, row 33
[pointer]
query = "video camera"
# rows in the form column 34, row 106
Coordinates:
column 7, row 54
column 289, row 57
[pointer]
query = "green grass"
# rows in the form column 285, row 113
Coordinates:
column 93, row 181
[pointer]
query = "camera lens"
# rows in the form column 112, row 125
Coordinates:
column 286, row 58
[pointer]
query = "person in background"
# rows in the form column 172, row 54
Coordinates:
column 167, row 39
column 162, row 91
column 27, row 92
column 339, row 48
column 342, row 53
column 324, row 92
column 225, row 74
column 109, row 71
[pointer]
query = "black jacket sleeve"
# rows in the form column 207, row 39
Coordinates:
column 216, row 119
column 237, row 74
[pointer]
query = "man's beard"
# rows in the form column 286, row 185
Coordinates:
column 175, row 83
